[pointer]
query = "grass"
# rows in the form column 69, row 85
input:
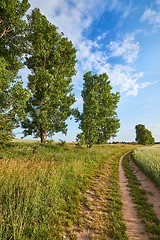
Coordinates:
column 145, row 210
column 42, row 188
column 102, row 215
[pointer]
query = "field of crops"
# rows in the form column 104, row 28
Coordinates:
column 148, row 159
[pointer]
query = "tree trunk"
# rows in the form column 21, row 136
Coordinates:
column 43, row 136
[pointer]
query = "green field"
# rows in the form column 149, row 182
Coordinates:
column 148, row 159
column 42, row 188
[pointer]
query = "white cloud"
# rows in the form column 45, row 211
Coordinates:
column 128, row 49
column 152, row 17
column 147, row 84
column 125, row 12
column 126, row 78
column 102, row 36
column 73, row 18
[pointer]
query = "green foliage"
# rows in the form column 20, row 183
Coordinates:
column 12, row 28
column 51, row 59
column 6, row 127
column 13, row 96
column 98, row 120
column 143, row 135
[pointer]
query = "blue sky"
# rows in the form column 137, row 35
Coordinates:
column 121, row 38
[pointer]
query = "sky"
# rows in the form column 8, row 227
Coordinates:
column 122, row 39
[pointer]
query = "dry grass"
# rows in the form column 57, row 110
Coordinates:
column 43, row 188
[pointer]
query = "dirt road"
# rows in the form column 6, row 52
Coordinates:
column 95, row 209
column 134, row 225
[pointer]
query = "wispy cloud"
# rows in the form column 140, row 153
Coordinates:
column 152, row 17
column 92, row 56
column 128, row 48
column 101, row 36
column 125, row 12
column 125, row 77
column 72, row 17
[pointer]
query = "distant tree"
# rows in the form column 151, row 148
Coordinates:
column 98, row 120
column 13, row 96
column 51, row 59
column 143, row 135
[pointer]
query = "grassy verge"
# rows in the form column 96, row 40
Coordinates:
column 145, row 210
column 41, row 188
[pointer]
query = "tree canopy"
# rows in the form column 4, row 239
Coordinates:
column 12, row 28
column 13, row 96
column 51, row 59
column 143, row 135
column 98, row 121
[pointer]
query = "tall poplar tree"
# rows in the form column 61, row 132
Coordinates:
column 51, row 59
column 13, row 96
column 98, row 120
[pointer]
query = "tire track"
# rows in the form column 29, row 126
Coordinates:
column 135, row 228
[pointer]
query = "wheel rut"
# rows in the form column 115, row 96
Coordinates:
column 135, row 228
column 152, row 191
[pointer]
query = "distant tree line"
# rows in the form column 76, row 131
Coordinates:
column 43, row 107
column 143, row 135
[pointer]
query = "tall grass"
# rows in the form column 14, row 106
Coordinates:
column 41, row 186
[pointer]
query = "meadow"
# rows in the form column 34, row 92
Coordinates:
column 42, row 186
column 148, row 159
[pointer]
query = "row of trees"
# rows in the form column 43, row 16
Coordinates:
column 43, row 107
column 45, row 104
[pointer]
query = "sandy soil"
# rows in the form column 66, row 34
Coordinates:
column 134, row 225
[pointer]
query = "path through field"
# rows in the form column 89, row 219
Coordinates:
column 95, row 209
column 134, row 225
